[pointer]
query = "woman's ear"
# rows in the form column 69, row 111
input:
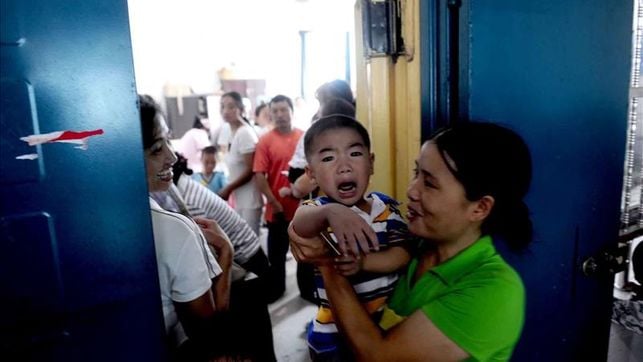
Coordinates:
column 483, row 208
column 372, row 159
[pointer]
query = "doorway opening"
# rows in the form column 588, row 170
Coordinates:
column 626, row 335
column 187, row 53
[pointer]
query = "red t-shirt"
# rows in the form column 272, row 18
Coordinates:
column 272, row 154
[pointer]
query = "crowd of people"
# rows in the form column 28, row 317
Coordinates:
column 428, row 286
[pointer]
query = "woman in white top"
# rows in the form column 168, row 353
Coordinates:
column 247, row 198
column 186, row 267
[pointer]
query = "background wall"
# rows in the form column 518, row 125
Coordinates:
column 188, row 41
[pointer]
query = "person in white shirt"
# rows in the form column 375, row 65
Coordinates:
column 239, row 159
column 193, row 141
column 186, row 267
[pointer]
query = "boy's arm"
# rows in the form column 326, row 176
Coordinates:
column 386, row 261
column 350, row 230
column 310, row 220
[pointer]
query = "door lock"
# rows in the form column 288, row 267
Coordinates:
column 611, row 260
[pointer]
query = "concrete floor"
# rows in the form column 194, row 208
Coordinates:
column 625, row 345
column 290, row 315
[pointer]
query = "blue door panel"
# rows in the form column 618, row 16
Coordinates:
column 76, row 231
column 18, row 118
column 558, row 73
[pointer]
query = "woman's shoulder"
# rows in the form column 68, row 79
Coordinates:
column 246, row 132
column 171, row 225
column 494, row 278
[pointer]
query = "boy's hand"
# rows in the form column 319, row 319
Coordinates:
column 351, row 231
column 349, row 264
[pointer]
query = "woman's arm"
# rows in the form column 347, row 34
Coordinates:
column 263, row 186
column 222, row 282
column 196, row 314
column 243, row 178
column 218, row 239
column 415, row 339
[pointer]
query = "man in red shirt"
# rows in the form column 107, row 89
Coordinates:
column 273, row 152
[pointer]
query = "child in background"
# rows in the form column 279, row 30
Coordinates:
column 213, row 180
column 337, row 149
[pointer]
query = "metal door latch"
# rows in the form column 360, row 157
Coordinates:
column 612, row 260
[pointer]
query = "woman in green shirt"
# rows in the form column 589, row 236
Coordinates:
column 458, row 299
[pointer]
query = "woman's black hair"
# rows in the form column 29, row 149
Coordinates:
column 337, row 106
column 260, row 107
column 335, row 89
column 492, row 160
column 236, row 97
column 197, row 123
column 148, row 110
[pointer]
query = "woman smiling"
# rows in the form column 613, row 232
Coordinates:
column 458, row 299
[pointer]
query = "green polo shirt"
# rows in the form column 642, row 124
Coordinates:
column 475, row 298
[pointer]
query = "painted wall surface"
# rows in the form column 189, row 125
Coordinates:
column 558, row 72
column 187, row 41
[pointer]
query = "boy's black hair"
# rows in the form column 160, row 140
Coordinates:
column 334, row 121
column 210, row 150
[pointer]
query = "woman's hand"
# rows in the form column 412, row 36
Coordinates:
column 349, row 264
column 351, row 231
column 309, row 250
column 216, row 237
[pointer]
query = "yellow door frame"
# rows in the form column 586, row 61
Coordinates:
column 388, row 97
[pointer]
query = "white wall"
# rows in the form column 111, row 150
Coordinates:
column 188, row 41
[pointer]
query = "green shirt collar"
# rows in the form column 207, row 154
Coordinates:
column 465, row 261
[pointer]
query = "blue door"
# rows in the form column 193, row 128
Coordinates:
column 77, row 265
column 558, row 73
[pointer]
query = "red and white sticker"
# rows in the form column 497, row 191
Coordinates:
column 76, row 137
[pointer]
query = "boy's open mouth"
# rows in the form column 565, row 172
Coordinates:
column 347, row 188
